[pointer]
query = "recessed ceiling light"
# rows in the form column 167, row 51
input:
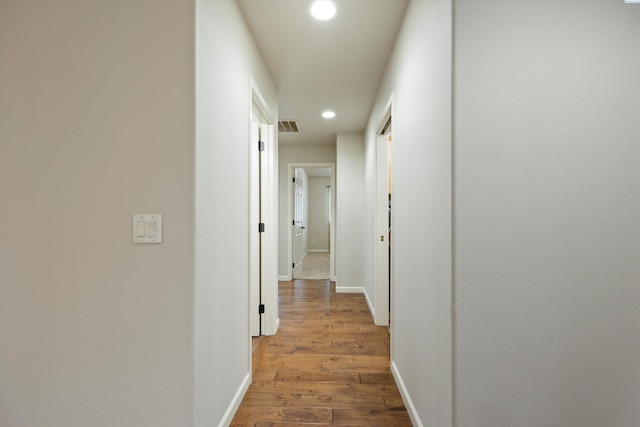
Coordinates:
column 328, row 114
column 323, row 9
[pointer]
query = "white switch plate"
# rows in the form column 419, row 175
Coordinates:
column 147, row 228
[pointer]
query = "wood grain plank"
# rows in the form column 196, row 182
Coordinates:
column 248, row 415
column 315, row 399
column 363, row 417
column 328, row 365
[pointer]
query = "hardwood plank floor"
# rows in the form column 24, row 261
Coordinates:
column 327, row 365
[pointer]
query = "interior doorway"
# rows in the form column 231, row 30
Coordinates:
column 299, row 223
column 311, row 219
column 384, row 219
column 262, row 225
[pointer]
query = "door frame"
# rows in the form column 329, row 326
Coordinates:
column 299, row 183
column 382, row 270
column 263, row 281
column 290, row 204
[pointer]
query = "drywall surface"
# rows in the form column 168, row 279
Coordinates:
column 227, row 59
column 419, row 77
column 289, row 153
column 96, row 124
column 547, row 208
column 349, row 211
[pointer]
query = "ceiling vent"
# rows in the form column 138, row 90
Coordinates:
column 290, row 126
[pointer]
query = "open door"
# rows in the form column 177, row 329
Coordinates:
column 383, row 236
column 303, row 227
column 298, row 222
column 258, row 243
column 254, row 236
column 263, row 288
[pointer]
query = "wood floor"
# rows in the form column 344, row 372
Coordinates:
column 327, row 365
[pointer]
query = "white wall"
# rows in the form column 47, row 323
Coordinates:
column 289, row 153
column 318, row 225
column 227, row 58
column 547, row 186
column 96, row 112
column 419, row 76
column 349, row 210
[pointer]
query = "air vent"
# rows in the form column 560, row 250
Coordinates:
column 288, row 126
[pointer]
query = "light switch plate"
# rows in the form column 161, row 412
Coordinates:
column 147, row 228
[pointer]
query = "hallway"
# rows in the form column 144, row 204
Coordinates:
column 328, row 364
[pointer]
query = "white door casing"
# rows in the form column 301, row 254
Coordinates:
column 382, row 268
column 269, row 238
column 254, row 237
column 263, row 195
column 265, row 264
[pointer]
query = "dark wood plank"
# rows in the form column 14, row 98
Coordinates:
column 363, row 417
column 248, row 415
column 318, row 377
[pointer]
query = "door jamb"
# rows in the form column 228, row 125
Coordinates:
column 383, row 289
column 269, row 287
column 332, row 256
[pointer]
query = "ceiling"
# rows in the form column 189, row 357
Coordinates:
column 324, row 65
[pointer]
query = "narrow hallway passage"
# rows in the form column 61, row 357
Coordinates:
column 328, row 364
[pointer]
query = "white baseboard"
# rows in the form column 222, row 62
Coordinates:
column 284, row 278
column 235, row 402
column 408, row 403
column 350, row 289
column 318, row 250
column 371, row 309
column 272, row 328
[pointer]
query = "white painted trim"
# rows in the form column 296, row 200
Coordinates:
column 382, row 268
column 235, row 402
column 270, row 294
column 276, row 326
column 269, row 208
column 254, row 240
column 284, row 278
column 350, row 290
column 318, row 250
column 257, row 100
column 371, row 308
column 385, row 115
column 406, row 398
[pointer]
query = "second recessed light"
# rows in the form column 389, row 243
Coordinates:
column 328, row 114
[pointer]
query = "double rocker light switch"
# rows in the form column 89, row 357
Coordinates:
column 147, row 229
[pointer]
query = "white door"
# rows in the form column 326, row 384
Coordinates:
column 254, row 236
column 257, row 241
column 263, row 146
column 298, row 222
column 383, row 231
